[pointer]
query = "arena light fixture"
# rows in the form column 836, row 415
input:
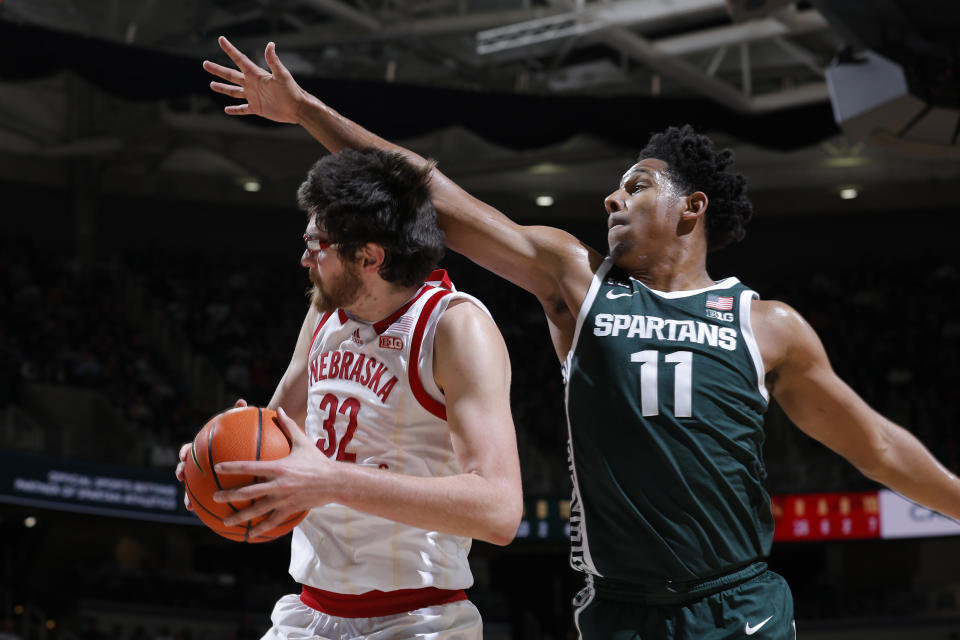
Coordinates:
column 547, row 169
column 849, row 193
column 29, row 522
column 544, row 201
column 250, row 185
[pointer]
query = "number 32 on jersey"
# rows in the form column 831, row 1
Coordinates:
column 327, row 443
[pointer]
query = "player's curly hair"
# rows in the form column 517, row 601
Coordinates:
column 369, row 195
column 693, row 164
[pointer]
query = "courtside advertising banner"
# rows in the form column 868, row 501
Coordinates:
column 87, row 487
column 904, row 519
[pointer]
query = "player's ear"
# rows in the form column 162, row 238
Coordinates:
column 372, row 256
column 696, row 205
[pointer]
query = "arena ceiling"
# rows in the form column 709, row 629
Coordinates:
column 515, row 98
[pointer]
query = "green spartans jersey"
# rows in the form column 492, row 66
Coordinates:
column 665, row 401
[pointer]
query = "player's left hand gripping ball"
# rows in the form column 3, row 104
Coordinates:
column 245, row 433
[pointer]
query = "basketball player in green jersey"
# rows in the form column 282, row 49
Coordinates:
column 668, row 374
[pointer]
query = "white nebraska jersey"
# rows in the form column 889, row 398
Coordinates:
column 373, row 401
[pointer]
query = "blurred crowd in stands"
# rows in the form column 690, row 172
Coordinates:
column 891, row 328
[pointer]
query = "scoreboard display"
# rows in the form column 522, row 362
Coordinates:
column 826, row 516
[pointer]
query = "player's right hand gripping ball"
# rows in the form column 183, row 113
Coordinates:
column 245, row 433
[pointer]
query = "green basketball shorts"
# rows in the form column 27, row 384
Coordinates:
column 760, row 608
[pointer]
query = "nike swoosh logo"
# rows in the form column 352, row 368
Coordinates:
column 613, row 296
column 752, row 630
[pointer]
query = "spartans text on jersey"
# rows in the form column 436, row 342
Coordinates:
column 646, row 327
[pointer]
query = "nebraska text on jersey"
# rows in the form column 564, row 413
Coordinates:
column 347, row 365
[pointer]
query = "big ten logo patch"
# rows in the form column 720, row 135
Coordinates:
column 726, row 316
column 391, row 342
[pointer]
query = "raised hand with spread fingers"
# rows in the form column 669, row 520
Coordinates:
column 272, row 94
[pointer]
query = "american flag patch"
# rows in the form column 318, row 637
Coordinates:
column 403, row 324
column 721, row 303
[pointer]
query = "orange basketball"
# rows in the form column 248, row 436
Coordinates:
column 245, row 433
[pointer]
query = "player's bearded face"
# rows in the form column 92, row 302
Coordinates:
column 336, row 292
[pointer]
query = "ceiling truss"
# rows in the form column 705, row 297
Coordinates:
column 654, row 47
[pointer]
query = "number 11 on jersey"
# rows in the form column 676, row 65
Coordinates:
column 682, row 381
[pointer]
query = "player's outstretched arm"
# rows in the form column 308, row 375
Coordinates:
column 547, row 262
column 827, row 409
column 483, row 502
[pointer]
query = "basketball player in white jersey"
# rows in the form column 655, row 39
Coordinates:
column 409, row 449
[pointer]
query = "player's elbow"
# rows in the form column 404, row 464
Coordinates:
column 503, row 526
column 502, row 540
column 877, row 460
column 503, row 535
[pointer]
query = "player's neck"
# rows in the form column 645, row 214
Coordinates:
column 380, row 300
column 679, row 272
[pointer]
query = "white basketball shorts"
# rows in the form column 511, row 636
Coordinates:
column 293, row 620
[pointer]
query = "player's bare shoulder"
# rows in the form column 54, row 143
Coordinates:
column 780, row 332
column 466, row 326
column 467, row 344
column 466, row 316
